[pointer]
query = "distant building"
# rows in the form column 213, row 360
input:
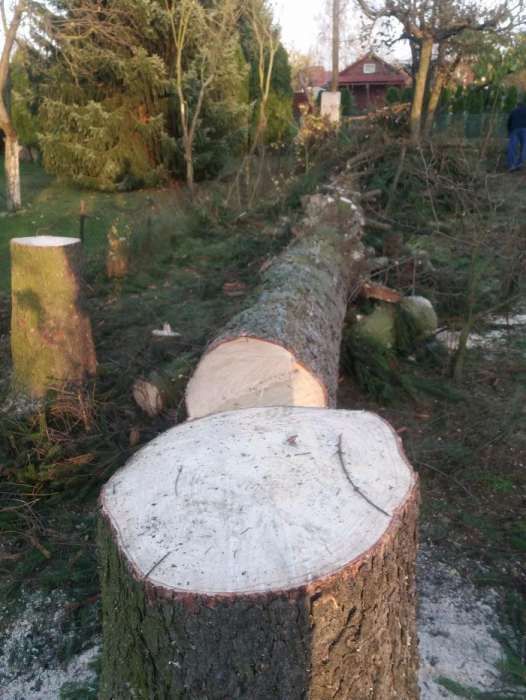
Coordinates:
column 369, row 78
column 309, row 83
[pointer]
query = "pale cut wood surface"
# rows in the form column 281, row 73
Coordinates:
column 257, row 500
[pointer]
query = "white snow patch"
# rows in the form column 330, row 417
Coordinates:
column 456, row 627
column 45, row 684
column 492, row 339
column 29, row 667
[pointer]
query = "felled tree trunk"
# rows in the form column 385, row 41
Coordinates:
column 284, row 350
column 263, row 553
column 51, row 341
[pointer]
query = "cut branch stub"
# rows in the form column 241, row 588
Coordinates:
column 284, row 350
column 263, row 553
column 51, row 341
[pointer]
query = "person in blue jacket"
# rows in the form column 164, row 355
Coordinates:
column 517, row 134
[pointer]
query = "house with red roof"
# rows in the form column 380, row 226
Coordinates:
column 369, row 78
column 309, row 83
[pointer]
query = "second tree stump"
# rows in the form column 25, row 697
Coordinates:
column 51, row 341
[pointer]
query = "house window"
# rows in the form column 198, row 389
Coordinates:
column 369, row 68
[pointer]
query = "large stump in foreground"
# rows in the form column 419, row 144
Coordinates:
column 51, row 341
column 262, row 554
column 284, row 350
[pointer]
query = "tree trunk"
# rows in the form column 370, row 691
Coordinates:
column 434, row 99
column 51, row 342
column 284, row 350
column 420, row 88
column 264, row 554
column 12, row 170
column 189, row 158
column 335, row 45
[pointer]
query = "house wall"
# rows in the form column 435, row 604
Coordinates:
column 376, row 97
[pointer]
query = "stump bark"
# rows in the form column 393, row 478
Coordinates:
column 284, row 350
column 264, row 553
column 51, row 341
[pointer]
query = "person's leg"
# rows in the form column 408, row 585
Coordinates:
column 522, row 151
column 512, row 150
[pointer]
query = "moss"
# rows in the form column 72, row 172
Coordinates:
column 378, row 327
column 50, row 331
column 422, row 313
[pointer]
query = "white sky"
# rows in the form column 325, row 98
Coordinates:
column 301, row 23
column 298, row 20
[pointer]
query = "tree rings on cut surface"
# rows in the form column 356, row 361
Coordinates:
column 264, row 553
column 247, row 372
column 51, row 341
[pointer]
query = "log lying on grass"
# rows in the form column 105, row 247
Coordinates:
column 51, row 341
column 263, row 553
column 284, row 350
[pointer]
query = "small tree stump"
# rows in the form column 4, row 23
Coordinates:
column 118, row 252
column 51, row 341
column 262, row 554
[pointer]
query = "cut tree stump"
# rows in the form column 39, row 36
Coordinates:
column 284, row 350
column 262, row 554
column 156, row 392
column 51, row 341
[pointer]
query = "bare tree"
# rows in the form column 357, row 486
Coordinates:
column 266, row 41
column 208, row 34
column 10, row 27
column 351, row 42
column 431, row 24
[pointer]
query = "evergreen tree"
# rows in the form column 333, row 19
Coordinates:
column 392, row 96
column 102, row 118
column 511, row 98
column 24, row 96
column 474, row 107
column 111, row 113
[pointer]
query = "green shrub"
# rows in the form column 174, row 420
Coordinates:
column 392, row 96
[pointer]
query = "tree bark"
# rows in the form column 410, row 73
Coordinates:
column 239, row 561
column 420, row 88
column 51, row 341
column 284, row 350
column 335, row 45
column 189, row 159
column 11, row 164
column 12, row 170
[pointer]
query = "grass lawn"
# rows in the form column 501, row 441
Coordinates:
column 52, row 208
